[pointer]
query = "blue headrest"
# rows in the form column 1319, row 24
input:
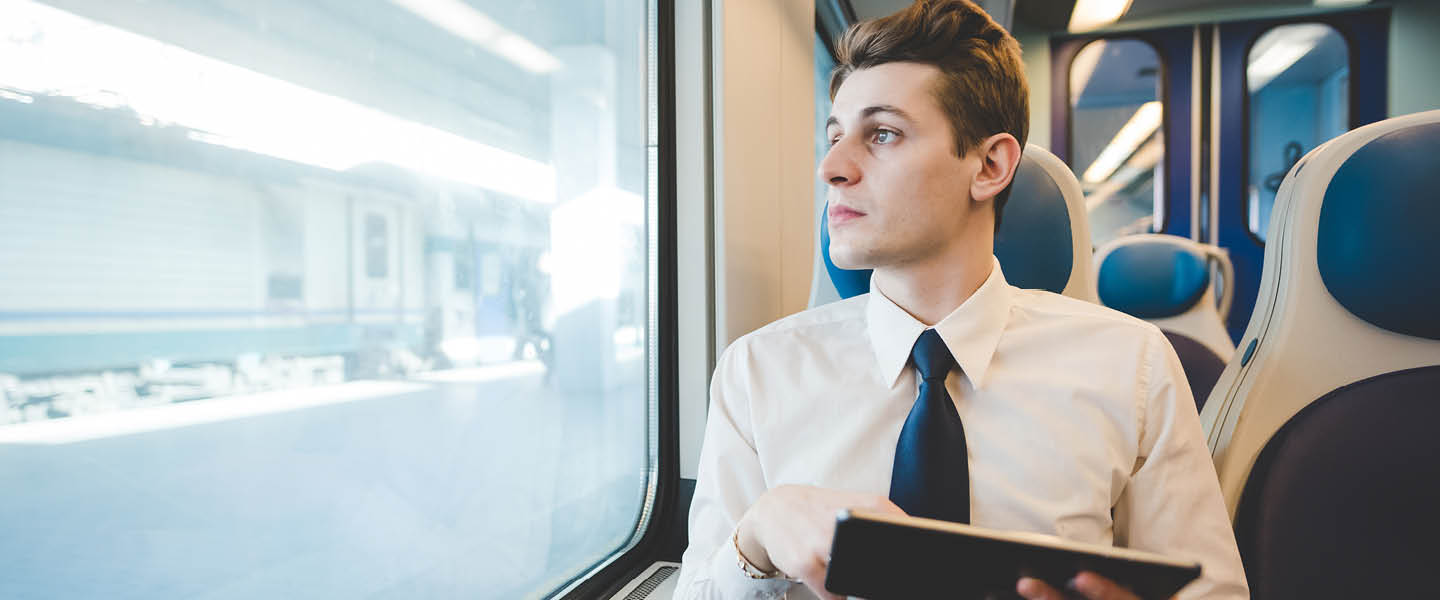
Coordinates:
column 1033, row 244
column 1152, row 279
column 1034, row 240
column 848, row 282
column 1376, row 247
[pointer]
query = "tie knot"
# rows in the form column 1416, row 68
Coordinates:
column 931, row 357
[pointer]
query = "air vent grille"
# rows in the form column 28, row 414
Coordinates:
column 643, row 590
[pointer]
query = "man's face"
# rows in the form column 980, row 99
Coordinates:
column 898, row 193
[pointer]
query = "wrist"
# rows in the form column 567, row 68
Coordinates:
column 754, row 560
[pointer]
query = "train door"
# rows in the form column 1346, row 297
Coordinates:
column 1235, row 105
column 1283, row 87
column 1121, row 118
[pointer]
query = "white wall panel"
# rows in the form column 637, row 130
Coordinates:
column 764, row 162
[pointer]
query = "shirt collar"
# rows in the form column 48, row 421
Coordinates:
column 971, row 332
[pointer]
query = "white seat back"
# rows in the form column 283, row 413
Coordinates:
column 1168, row 281
column 1349, row 290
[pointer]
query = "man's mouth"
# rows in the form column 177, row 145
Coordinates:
column 839, row 214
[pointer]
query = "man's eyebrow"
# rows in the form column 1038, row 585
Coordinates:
column 871, row 111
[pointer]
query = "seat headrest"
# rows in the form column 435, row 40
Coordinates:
column 1152, row 278
column 1034, row 241
column 1380, row 216
column 1037, row 239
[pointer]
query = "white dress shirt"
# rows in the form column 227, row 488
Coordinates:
column 1071, row 411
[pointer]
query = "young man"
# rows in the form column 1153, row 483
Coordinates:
column 944, row 392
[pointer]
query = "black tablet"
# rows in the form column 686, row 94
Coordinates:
column 879, row 556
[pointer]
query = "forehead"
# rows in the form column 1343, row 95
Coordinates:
column 905, row 85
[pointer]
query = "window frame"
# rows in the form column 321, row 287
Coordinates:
column 656, row 530
column 1162, row 74
column 1350, row 96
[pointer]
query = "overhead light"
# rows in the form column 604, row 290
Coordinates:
column 1138, row 129
column 1334, row 3
column 1280, row 48
column 49, row 52
column 475, row 27
column 1093, row 14
column 1142, row 162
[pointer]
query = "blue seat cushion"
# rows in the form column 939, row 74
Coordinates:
column 1344, row 501
column 1377, row 248
column 1152, row 280
column 1034, row 242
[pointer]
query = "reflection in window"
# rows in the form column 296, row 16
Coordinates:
column 822, row 291
column 321, row 298
column 824, row 65
column 1117, row 140
column 1298, row 77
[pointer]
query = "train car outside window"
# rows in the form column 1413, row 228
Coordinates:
column 377, row 247
column 324, row 299
column 1298, row 80
column 1118, row 145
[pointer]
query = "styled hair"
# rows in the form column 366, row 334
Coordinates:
column 981, row 88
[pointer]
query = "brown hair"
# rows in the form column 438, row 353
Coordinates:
column 981, row 87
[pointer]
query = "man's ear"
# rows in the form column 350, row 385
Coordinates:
column 999, row 157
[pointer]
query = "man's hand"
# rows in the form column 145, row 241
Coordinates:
column 790, row 528
column 1088, row 584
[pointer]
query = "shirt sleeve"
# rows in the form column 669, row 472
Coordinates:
column 728, row 482
column 1172, row 504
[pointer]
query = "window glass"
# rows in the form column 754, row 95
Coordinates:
column 1298, row 78
column 824, row 64
column 321, row 298
column 1118, row 145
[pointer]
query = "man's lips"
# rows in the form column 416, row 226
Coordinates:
column 840, row 214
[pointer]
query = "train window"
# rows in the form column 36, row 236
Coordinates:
column 824, row 65
column 1118, row 144
column 1298, row 79
column 377, row 253
column 319, row 298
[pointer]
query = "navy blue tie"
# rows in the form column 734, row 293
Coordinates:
column 931, row 476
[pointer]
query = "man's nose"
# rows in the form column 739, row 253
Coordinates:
column 838, row 168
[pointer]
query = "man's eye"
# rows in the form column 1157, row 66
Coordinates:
column 884, row 136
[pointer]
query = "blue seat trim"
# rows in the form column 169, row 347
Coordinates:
column 1380, row 216
column 1152, row 280
column 1034, row 243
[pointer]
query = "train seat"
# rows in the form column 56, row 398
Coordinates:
column 1322, row 429
column 1043, row 241
column 1167, row 281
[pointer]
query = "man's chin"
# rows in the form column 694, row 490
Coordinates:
column 849, row 260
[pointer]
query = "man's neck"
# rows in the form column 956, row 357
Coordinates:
column 933, row 289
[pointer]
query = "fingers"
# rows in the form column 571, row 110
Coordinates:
column 814, row 578
column 1096, row 587
column 1034, row 589
column 884, row 505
